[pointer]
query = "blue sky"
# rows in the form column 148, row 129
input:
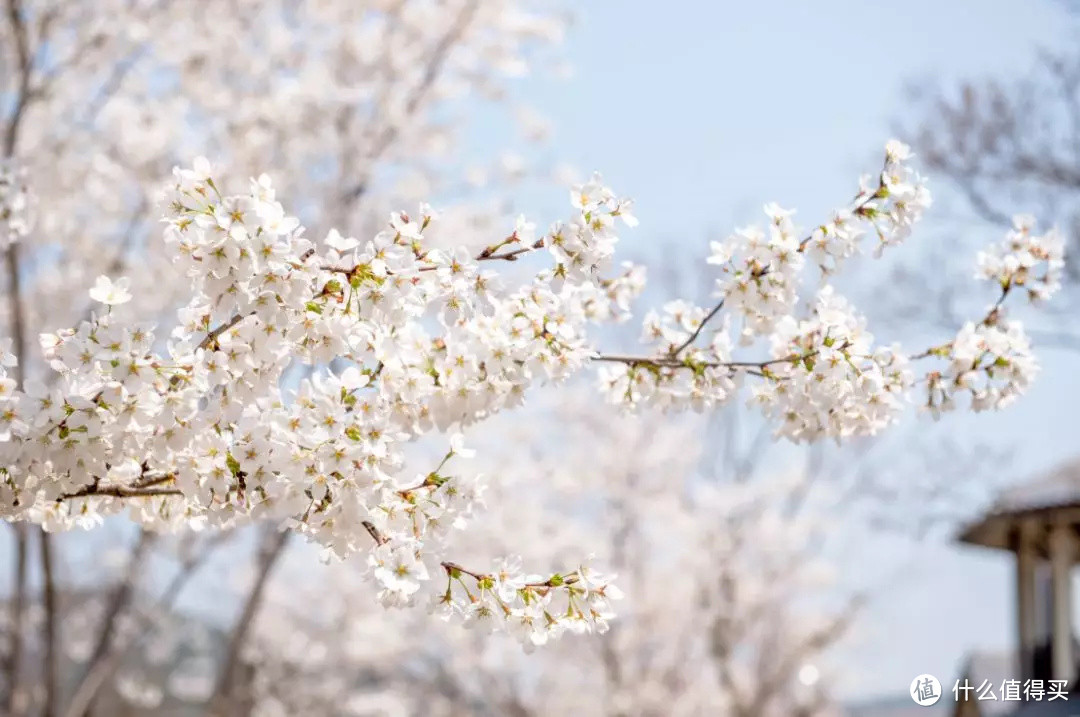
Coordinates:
column 702, row 111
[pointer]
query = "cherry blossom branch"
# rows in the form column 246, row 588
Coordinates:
column 860, row 207
column 455, row 570
column 213, row 334
column 140, row 489
column 488, row 254
column 339, row 447
column 754, row 368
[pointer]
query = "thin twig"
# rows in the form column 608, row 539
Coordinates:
column 697, row 332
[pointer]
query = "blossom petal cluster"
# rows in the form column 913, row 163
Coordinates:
column 823, row 375
column 827, row 377
column 889, row 206
column 297, row 373
column 990, row 362
column 534, row 608
column 1033, row 262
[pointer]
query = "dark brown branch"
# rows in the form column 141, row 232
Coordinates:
column 513, row 254
column 374, row 532
column 213, row 335
column 48, row 582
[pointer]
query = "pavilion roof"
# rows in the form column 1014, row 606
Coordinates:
column 1049, row 498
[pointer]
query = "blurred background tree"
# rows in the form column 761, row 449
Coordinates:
column 1006, row 144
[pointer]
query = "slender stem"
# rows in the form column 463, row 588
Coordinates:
column 107, row 664
column 485, row 255
column 697, row 332
column 752, row 367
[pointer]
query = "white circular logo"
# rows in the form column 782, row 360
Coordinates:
column 925, row 690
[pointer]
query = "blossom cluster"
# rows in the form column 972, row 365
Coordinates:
column 534, row 608
column 1016, row 261
column 682, row 374
column 992, row 362
column 361, row 90
column 891, row 206
column 397, row 339
column 828, row 379
column 761, row 271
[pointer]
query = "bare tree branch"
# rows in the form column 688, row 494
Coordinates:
column 431, row 73
column 18, row 608
column 227, row 692
column 48, row 587
column 100, row 671
column 119, row 600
